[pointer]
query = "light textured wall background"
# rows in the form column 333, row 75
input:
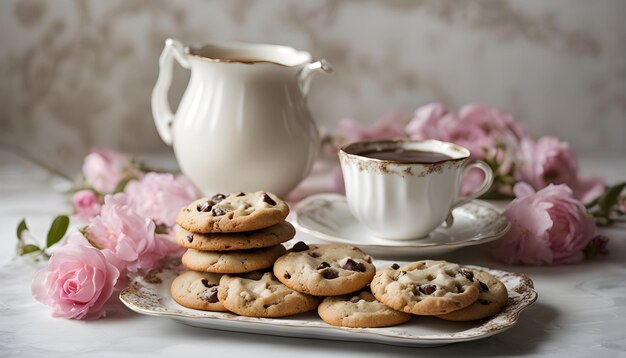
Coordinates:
column 77, row 74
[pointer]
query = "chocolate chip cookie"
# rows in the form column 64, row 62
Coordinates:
column 426, row 287
column 197, row 290
column 233, row 213
column 325, row 269
column 270, row 236
column 360, row 310
column 232, row 261
column 261, row 295
column 492, row 299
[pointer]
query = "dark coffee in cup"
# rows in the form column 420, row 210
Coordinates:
column 402, row 155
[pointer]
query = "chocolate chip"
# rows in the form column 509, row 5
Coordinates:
column 468, row 274
column 287, row 275
column 299, row 246
column 212, row 296
column 483, row 302
column 354, row 266
column 355, row 299
column 395, row 266
column 218, row 211
column 241, row 194
column 190, row 237
column 206, row 283
column 268, row 199
column 204, row 207
column 217, row 198
column 314, row 254
column 329, row 274
column 428, row 289
column 254, row 275
column 482, row 287
column 323, row 265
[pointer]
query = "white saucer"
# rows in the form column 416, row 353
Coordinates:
column 327, row 217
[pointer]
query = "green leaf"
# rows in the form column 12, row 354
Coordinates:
column 122, row 185
column 57, row 230
column 27, row 249
column 610, row 197
column 20, row 229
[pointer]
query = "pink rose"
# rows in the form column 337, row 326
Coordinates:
column 547, row 227
column 128, row 239
column 77, row 281
column 550, row 161
column 86, row 204
column 160, row 196
column 104, row 169
column 390, row 126
column 431, row 121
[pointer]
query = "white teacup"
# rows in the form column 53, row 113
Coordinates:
column 410, row 191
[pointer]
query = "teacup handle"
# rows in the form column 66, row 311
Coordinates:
column 161, row 110
column 482, row 188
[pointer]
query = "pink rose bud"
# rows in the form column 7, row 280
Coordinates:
column 86, row 204
column 77, row 282
column 547, row 227
column 104, row 169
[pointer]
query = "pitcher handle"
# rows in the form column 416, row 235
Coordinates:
column 482, row 188
column 161, row 110
column 304, row 77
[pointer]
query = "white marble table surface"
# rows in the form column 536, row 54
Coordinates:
column 581, row 310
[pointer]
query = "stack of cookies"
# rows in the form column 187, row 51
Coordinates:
column 227, row 234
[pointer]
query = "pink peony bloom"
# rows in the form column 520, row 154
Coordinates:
column 478, row 128
column 77, row 281
column 390, row 126
column 547, row 227
column 160, row 196
column 550, row 161
column 86, row 204
column 128, row 239
column 431, row 121
column 104, row 169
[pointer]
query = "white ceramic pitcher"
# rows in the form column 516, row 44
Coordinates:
column 242, row 123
